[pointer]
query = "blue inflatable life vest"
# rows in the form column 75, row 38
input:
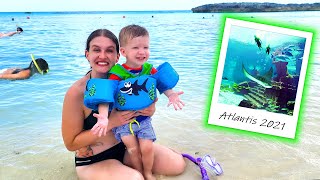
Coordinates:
column 99, row 91
column 133, row 93
column 136, row 93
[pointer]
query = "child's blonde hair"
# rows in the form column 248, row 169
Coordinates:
column 131, row 31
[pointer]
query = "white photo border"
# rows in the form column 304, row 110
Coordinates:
column 257, row 120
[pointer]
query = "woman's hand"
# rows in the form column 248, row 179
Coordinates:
column 118, row 118
column 149, row 111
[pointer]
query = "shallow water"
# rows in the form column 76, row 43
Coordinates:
column 30, row 110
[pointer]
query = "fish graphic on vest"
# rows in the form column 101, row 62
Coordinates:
column 134, row 88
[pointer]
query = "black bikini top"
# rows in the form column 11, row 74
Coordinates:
column 90, row 121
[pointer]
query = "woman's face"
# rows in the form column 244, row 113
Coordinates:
column 102, row 55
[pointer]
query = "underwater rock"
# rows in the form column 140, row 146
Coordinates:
column 288, row 91
column 282, row 57
column 298, row 65
column 245, row 103
column 281, row 69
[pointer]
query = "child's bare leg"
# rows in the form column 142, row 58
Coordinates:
column 147, row 153
column 133, row 149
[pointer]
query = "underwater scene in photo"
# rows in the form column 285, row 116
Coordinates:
column 262, row 70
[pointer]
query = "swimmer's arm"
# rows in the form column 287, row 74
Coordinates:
column 21, row 75
column 9, row 34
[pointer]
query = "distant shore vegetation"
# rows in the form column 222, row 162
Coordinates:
column 254, row 7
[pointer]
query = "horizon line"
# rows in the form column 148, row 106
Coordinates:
column 29, row 12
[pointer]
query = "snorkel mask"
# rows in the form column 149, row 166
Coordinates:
column 42, row 72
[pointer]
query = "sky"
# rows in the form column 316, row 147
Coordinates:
column 117, row 5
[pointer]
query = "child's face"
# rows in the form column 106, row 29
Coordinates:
column 102, row 54
column 136, row 51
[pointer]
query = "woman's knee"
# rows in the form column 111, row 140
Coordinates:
column 180, row 165
column 136, row 175
column 168, row 161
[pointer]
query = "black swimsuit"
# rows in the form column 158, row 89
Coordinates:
column 115, row 152
column 18, row 70
column 90, row 121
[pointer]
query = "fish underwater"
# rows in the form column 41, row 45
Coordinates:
column 264, row 80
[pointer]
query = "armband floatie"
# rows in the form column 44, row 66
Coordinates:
column 136, row 93
column 99, row 91
column 167, row 77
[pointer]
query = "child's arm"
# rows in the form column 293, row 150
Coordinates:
column 174, row 98
column 101, row 127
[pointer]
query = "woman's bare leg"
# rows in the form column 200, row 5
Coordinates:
column 107, row 169
column 166, row 161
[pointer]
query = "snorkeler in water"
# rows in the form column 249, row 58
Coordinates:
column 268, row 49
column 19, row 30
column 258, row 41
column 38, row 65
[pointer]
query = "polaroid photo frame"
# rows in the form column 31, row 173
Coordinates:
column 260, row 78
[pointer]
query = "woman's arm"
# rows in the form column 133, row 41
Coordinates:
column 8, row 34
column 119, row 118
column 72, row 121
column 24, row 74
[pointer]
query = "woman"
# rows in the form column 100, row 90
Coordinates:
column 36, row 66
column 104, row 157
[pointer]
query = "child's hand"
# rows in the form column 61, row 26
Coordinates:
column 101, row 127
column 175, row 100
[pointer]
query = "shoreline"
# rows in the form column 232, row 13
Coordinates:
column 245, row 7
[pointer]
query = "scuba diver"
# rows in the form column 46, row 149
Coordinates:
column 36, row 66
column 268, row 49
column 258, row 41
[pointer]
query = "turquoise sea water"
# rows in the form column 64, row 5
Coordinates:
column 30, row 110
